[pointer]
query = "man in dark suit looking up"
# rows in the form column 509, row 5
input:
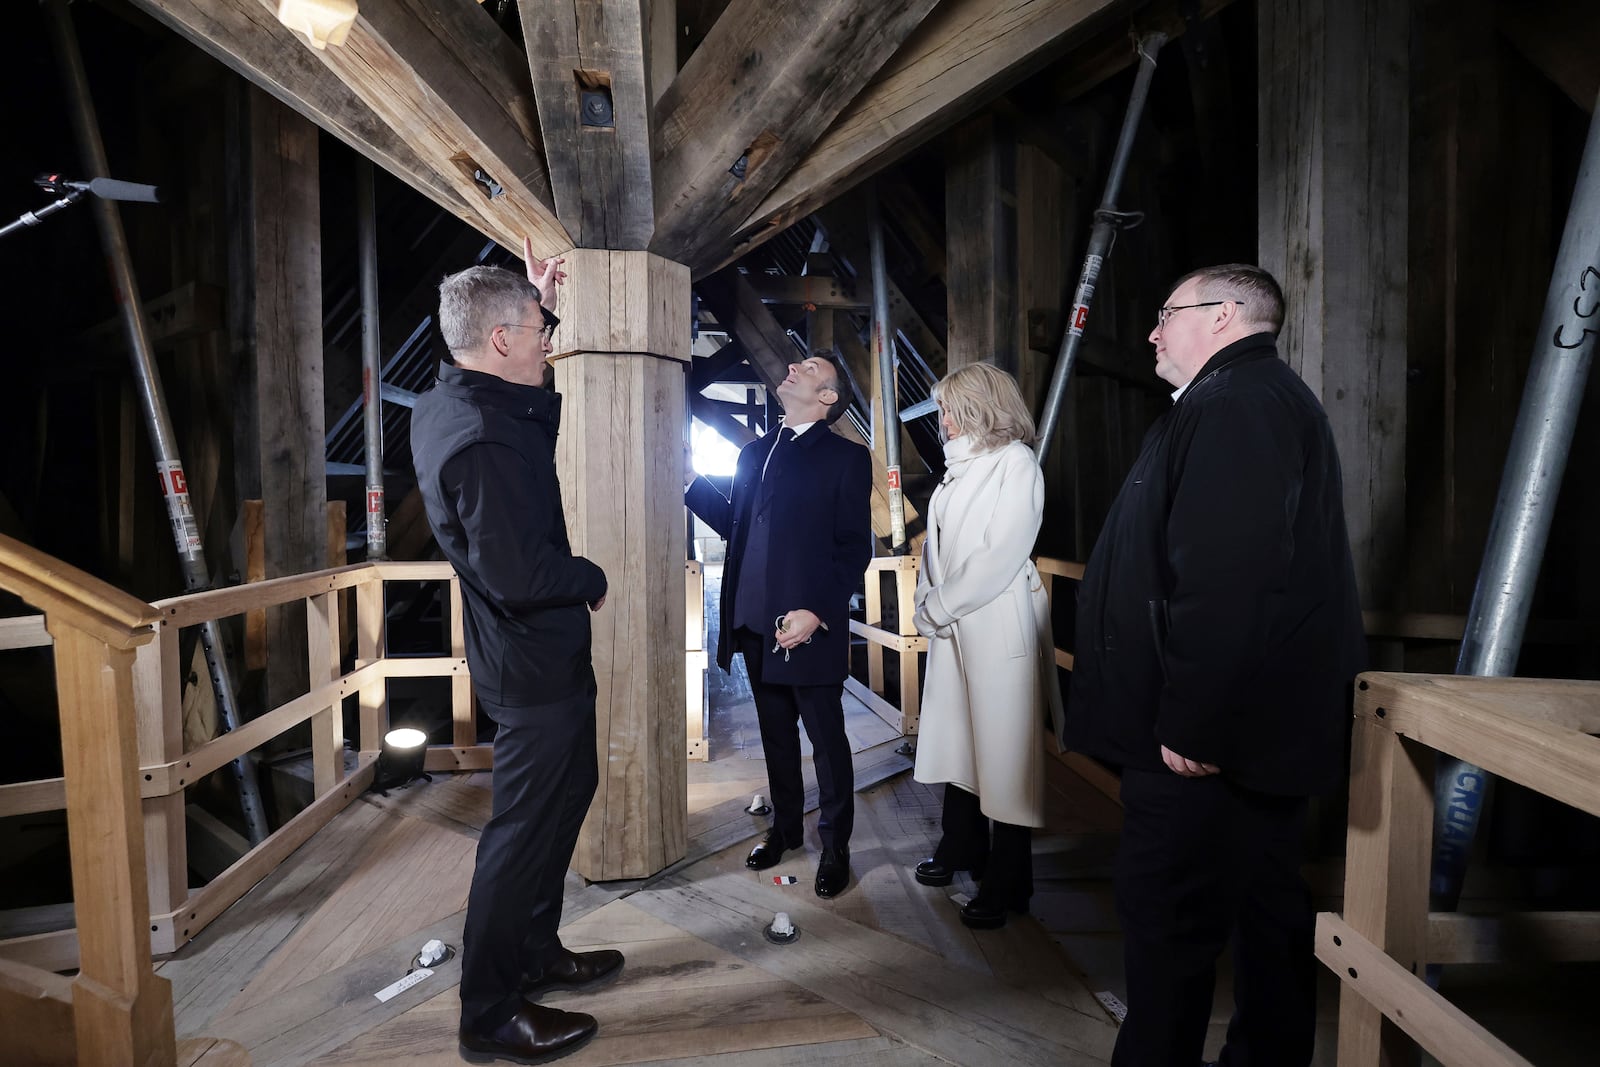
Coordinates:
column 1218, row 632
column 799, row 533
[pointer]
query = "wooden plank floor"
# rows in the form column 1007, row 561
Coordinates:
column 884, row 974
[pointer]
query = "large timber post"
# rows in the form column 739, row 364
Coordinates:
column 1334, row 125
column 623, row 348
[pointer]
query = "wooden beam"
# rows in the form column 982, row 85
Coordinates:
column 1386, row 876
column 661, row 46
column 980, row 208
column 752, row 100
column 280, row 451
column 716, row 417
column 246, row 37
column 620, row 461
column 964, row 54
column 588, row 65
column 738, row 307
column 1560, row 39
column 847, row 237
column 1405, row 1002
column 1333, row 176
column 191, row 309
column 36, row 1014
column 810, row 291
column 446, row 81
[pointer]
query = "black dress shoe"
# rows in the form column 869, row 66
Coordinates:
column 574, row 970
column 535, row 1034
column 768, row 853
column 981, row 914
column 833, row 872
column 932, row 872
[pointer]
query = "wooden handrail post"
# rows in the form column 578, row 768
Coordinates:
column 874, row 614
column 464, row 723
column 1386, row 871
column 122, row 1010
column 159, row 715
column 327, row 725
column 371, row 639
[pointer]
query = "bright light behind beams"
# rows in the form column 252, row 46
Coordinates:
column 712, row 453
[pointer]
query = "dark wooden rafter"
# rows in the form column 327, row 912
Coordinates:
column 444, row 79
column 587, row 59
column 965, row 54
column 708, row 370
column 1560, row 39
column 739, row 309
column 809, row 291
column 716, row 415
column 751, row 101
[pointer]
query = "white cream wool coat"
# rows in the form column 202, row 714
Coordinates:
column 991, row 658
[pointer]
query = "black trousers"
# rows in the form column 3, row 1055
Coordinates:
column 1001, row 857
column 545, row 773
column 779, row 711
column 1204, row 862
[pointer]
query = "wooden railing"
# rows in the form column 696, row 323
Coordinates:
column 117, row 1011
column 902, row 640
column 1531, row 731
column 164, row 769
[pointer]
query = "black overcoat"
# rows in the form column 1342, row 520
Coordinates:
column 817, row 497
column 1218, row 613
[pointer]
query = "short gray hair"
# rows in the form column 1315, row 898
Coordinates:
column 1256, row 290
column 474, row 301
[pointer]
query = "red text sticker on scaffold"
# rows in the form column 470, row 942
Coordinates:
column 175, row 489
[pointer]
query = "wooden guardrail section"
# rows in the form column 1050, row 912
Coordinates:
column 902, row 640
column 117, row 1011
column 1531, row 731
column 119, row 692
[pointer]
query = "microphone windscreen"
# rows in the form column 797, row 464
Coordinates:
column 111, row 189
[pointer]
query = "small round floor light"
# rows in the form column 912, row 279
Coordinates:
column 405, row 751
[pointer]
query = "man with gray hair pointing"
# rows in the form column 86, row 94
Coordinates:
column 483, row 439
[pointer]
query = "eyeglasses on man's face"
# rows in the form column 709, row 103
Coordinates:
column 545, row 329
column 1163, row 314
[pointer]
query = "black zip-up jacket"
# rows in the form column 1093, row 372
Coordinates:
column 1218, row 614
column 485, row 456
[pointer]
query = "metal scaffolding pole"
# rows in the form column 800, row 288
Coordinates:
column 1107, row 221
column 1525, row 506
column 371, row 367
column 147, row 380
column 883, row 352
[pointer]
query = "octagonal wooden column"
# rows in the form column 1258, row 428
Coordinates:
column 621, row 365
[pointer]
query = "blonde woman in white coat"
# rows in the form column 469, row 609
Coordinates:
column 984, row 611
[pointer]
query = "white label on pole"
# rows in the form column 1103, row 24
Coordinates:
column 389, row 992
column 375, row 519
column 175, row 488
column 1113, row 1006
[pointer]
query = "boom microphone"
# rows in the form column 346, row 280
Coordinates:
column 104, row 188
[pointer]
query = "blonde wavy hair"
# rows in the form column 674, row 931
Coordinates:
column 986, row 404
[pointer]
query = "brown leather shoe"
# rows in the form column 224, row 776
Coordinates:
column 535, row 1034
column 574, row 970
